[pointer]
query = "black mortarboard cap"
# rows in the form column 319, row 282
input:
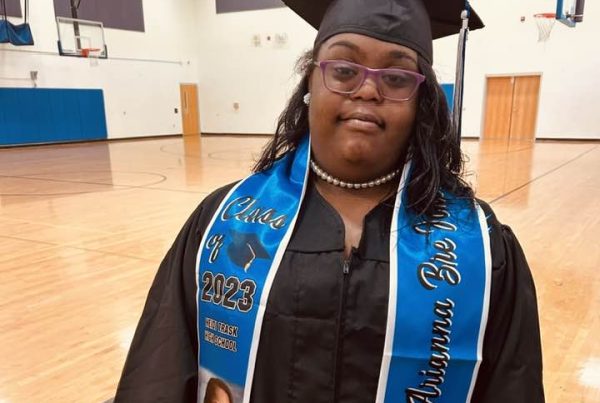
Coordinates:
column 245, row 248
column 411, row 23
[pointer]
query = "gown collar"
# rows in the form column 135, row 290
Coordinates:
column 321, row 229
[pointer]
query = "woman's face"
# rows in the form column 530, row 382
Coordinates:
column 220, row 396
column 360, row 136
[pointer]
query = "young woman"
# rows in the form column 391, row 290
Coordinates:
column 355, row 265
column 217, row 391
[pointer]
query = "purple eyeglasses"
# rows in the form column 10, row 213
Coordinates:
column 394, row 84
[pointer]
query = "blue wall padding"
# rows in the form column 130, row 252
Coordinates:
column 44, row 115
column 18, row 35
column 449, row 92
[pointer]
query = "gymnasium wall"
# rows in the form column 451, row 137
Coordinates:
column 233, row 70
column 568, row 61
column 243, row 85
column 141, row 78
column 260, row 78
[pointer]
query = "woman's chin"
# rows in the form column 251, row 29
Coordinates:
column 358, row 151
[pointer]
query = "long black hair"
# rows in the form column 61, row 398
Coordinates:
column 434, row 145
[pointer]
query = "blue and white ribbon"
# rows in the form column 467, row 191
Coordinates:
column 438, row 302
column 438, row 298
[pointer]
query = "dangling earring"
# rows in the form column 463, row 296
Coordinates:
column 307, row 98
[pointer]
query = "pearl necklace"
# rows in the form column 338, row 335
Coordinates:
column 336, row 182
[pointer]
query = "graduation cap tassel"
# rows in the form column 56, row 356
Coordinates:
column 460, row 71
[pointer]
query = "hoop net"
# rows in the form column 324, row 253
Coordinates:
column 91, row 52
column 545, row 23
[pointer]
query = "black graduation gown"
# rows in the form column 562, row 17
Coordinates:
column 323, row 331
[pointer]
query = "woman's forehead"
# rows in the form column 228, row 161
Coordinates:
column 367, row 47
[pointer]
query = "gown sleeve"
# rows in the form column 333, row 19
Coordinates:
column 161, row 365
column 511, row 370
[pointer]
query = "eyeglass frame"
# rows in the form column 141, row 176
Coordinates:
column 366, row 71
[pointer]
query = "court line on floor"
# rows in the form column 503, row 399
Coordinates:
column 37, row 176
column 113, row 187
column 73, row 246
column 163, row 149
column 210, row 155
column 543, row 175
column 507, row 151
column 53, row 226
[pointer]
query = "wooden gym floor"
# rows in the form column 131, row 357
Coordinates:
column 83, row 228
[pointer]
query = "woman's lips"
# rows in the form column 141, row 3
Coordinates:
column 362, row 120
column 362, row 125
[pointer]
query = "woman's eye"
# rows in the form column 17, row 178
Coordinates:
column 344, row 72
column 397, row 80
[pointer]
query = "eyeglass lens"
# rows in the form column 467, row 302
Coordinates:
column 346, row 78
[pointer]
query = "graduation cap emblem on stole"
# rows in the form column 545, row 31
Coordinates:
column 244, row 249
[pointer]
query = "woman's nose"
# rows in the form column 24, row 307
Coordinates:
column 368, row 90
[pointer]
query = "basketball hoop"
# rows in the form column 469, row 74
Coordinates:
column 545, row 23
column 90, row 52
column 93, row 54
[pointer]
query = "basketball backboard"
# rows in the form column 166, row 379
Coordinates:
column 570, row 12
column 81, row 38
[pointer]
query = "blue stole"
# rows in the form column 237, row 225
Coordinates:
column 438, row 297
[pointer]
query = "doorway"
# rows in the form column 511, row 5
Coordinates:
column 511, row 107
column 189, row 109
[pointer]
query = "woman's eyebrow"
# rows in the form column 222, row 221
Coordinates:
column 399, row 54
column 346, row 44
column 394, row 54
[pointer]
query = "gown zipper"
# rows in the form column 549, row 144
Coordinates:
column 346, row 267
